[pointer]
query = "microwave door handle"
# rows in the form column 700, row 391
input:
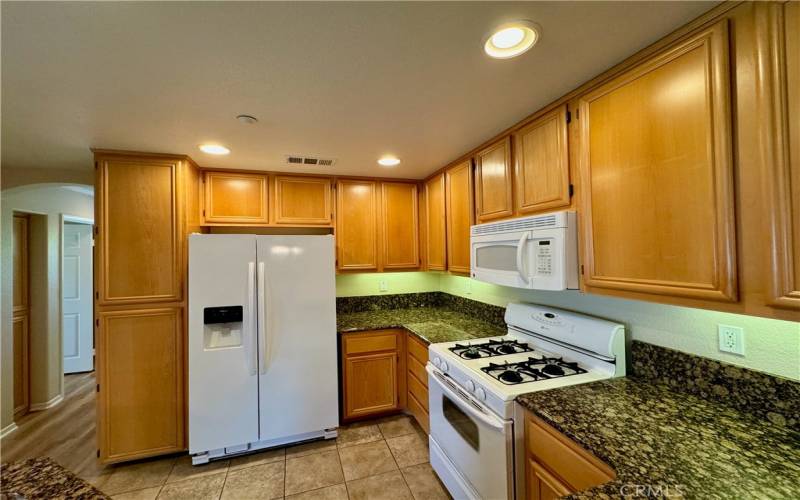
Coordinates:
column 463, row 405
column 520, row 249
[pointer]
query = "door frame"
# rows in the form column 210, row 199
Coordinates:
column 63, row 219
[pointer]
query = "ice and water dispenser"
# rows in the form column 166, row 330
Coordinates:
column 222, row 327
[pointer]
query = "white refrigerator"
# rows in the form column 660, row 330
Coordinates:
column 262, row 342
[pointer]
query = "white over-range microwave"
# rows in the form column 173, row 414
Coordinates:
column 538, row 252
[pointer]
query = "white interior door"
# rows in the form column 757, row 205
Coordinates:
column 76, row 282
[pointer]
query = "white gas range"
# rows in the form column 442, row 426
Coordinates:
column 473, row 384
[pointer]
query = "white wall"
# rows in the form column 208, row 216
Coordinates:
column 51, row 202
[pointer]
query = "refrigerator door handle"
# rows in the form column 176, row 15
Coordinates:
column 252, row 355
column 262, row 318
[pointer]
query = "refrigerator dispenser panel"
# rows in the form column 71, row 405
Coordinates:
column 222, row 327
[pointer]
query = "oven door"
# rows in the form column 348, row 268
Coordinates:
column 502, row 259
column 475, row 442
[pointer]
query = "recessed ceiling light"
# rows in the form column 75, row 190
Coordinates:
column 249, row 119
column 511, row 39
column 214, row 149
column 389, row 161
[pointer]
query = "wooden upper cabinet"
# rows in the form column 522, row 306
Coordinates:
column 458, row 196
column 235, row 198
column 542, row 164
column 356, row 224
column 656, row 174
column 303, row 200
column 782, row 156
column 140, row 356
column 493, row 182
column 400, row 225
column 139, row 242
column 435, row 240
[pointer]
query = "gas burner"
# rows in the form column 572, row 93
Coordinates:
column 490, row 349
column 532, row 370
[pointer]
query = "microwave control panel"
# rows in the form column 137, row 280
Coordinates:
column 544, row 257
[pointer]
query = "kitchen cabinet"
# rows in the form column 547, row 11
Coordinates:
column 782, row 156
column 556, row 465
column 656, row 174
column 400, row 225
column 542, row 164
column 435, row 220
column 235, row 198
column 493, row 182
column 459, row 214
column 357, row 224
column 417, row 380
column 371, row 373
column 301, row 201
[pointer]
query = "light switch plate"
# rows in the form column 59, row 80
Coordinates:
column 731, row 339
column 383, row 286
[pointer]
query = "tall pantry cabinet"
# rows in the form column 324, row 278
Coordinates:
column 145, row 207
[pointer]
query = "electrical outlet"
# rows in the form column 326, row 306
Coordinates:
column 731, row 339
column 383, row 286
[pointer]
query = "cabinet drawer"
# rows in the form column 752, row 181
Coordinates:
column 419, row 350
column 417, row 370
column 419, row 412
column 566, row 459
column 365, row 343
column 419, row 391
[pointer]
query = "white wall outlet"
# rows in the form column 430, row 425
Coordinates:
column 731, row 339
column 383, row 286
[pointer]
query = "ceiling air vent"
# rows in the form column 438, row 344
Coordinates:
column 309, row 160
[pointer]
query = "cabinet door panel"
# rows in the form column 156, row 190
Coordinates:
column 458, row 194
column 370, row 384
column 657, row 175
column 303, row 200
column 140, row 357
column 493, row 191
column 542, row 485
column 139, row 243
column 400, row 229
column 356, row 224
column 235, row 198
column 542, row 163
column 21, row 360
column 435, row 223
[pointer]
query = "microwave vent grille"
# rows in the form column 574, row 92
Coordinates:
column 544, row 221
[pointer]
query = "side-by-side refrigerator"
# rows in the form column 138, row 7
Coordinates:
column 262, row 342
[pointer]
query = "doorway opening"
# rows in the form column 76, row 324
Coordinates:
column 76, row 295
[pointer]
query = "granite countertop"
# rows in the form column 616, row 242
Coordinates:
column 431, row 324
column 672, row 442
column 43, row 478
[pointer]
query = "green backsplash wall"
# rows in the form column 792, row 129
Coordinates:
column 771, row 346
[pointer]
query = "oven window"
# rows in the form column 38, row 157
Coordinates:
column 497, row 257
column 464, row 425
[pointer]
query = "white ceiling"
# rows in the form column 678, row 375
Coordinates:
column 350, row 81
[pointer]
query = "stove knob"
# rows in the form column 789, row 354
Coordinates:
column 480, row 393
column 436, row 361
column 443, row 366
column 470, row 385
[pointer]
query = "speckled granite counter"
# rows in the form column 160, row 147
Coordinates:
column 431, row 324
column 43, row 478
column 675, row 443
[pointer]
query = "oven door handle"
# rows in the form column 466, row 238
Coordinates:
column 520, row 248
column 462, row 403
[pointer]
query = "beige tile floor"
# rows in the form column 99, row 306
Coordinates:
column 380, row 459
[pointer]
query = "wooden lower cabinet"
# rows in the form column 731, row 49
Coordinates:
column 140, row 376
column 556, row 465
column 417, row 401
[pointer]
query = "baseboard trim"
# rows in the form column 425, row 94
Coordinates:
column 47, row 404
column 8, row 429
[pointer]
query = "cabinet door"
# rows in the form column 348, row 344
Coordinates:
column 657, row 175
column 542, row 485
column 140, row 374
column 783, row 158
column 370, row 383
column 233, row 198
column 435, row 223
column 493, row 181
column 356, row 224
column 542, row 164
column 400, row 225
column 458, row 194
column 139, row 240
column 303, row 200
